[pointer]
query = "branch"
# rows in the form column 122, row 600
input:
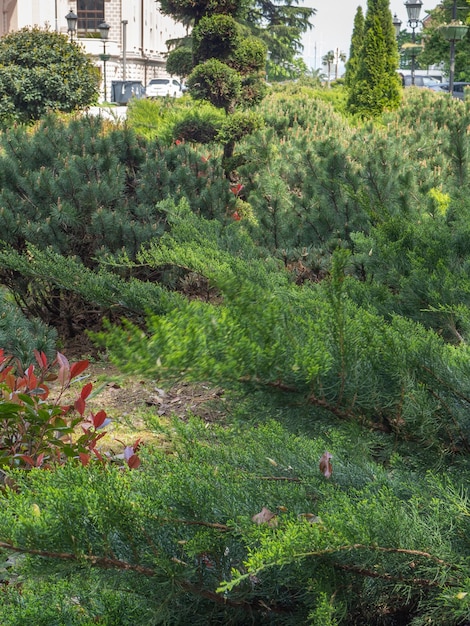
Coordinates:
column 290, row 479
column 420, row 582
column 216, row 525
column 99, row 561
column 109, row 563
column 361, row 546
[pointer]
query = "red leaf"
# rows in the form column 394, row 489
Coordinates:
column 98, row 419
column 325, row 464
column 33, row 381
column 28, row 459
column 86, row 391
column 64, row 369
column 41, row 359
column 137, row 444
column 77, row 368
column 10, row 380
column 97, row 454
column 133, row 462
column 236, row 189
column 84, row 458
column 80, row 405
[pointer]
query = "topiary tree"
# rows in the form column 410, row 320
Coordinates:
column 228, row 65
column 180, row 60
column 41, row 70
column 376, row 86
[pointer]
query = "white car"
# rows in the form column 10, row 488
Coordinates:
column 164, row 87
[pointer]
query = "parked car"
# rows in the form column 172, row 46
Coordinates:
column 458, row 91
column 160, row 87
column 420, row 81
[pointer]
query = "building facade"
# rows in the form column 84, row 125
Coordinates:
column 137, row 40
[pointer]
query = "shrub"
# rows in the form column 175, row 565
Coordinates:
column 216, row 82
column 39, row 432
column 230, row 524
column 179, row 61
column 42, row 70
column 200, row 125
column 20, row 336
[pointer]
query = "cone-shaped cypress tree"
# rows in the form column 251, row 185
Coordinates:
column 357, row 40
column 376, row 85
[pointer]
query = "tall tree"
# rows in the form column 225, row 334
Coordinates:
column 340, row 57
column 376, row 85
column 357, row 40
column 328, row 60
column 280, row 25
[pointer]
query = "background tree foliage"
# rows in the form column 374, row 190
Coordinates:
column 40, row 71
column 436, row 50
column 280, row 25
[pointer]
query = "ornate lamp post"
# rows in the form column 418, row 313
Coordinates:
column 72, row 19
column 455, row 31
column 104, row 32
column 413, row 9
column 396, row 25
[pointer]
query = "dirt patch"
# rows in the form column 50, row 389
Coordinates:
column 124, row 397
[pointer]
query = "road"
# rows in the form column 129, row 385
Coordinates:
column 110, row 113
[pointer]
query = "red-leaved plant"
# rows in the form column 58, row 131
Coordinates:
column 37, row 431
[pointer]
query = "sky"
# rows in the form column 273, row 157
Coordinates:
column 333, row 25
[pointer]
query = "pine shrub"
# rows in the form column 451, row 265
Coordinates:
column 236, row 524
column 20, row 335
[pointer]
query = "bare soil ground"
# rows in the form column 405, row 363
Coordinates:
column 130, row 400
column 122, row 396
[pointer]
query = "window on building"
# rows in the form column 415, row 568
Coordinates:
column 90, row 14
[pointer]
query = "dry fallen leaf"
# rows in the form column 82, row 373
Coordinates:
column 325, row 464
column 265, row 516
column 309, row 517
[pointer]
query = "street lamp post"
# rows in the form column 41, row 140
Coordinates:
column 396, row 25
column 413, row 9
column 72, row 19
column 455, row 31
column 104, row 32
column 124, row 48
